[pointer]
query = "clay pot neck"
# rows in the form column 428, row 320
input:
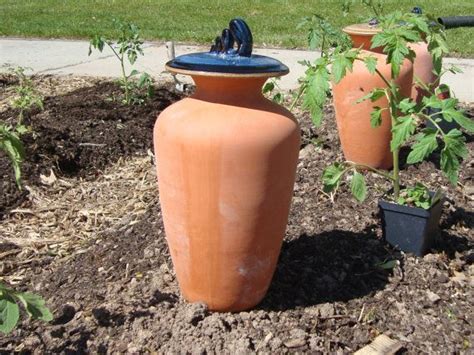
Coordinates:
column 364, row 41
column 361, row 36
column 229, row 90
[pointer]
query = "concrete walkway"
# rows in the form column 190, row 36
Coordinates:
column 65, row 57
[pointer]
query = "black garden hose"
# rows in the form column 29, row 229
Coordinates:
column 456, row 21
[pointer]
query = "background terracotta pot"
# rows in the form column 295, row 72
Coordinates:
column 423, row 70
column 360, row 142
column 226, row 162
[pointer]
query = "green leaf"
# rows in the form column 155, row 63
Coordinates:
column 35, row 306
column 145, row 79
column 317, row 88
column 373, row 96
column 396, row 56
column 268, row 87
column 332, row 177
column 358, row 187
column 401, row 131
column 21, row 129
column 322, row 35
column 437, row 45
column 314, row 39
column 448, row 106
column 316, row 115
column 9, row 313
column 425, row 145
column 401, row 200
column 341, row 64
column 394, row 40
column 11, row 144
column 96, row 42
column 379, row 40
column 376, row 117
column 422, row 23
column 132, row 57
column 407, row 105
column 454, row 150
column 460, row 118
column 417, row 196
column 388, row 265
column 455, row 70
column 371, row 64
column 133, row 73
column 278, row 98
column 432, row 101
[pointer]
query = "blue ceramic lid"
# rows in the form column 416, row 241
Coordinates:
column 231, row 53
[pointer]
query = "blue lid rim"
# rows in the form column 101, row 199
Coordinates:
column 231, row 54
column 277, row 68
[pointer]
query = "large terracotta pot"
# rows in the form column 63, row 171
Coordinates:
column 361, row 35
column 361, row 143
column 226, row 163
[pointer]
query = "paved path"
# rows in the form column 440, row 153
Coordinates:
column 64, row 57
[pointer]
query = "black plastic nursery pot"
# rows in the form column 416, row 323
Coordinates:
column 410, row 229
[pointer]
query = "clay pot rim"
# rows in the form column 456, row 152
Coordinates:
column 362, row 29
column 226, row 75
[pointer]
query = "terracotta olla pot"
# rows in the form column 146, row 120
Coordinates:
column 361, row 143
column 226, row 163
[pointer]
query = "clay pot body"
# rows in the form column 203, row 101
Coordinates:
column 226, row 163
column 422, row 69
column 361, row 143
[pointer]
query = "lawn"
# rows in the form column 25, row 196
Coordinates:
column 273, row 22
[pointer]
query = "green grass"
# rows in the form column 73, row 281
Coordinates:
column 273, row 22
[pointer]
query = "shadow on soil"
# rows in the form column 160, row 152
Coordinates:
column 449, row 243
column 328, row 267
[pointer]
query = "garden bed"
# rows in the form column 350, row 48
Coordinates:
column 90, row 239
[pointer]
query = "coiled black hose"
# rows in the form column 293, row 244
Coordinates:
column 456, row 21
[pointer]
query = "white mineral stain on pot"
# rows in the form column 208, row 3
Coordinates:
column 228, row 212
column 253, row 267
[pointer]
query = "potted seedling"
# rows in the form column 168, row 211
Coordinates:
column 410, row 214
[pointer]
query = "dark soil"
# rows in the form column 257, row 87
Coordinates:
column 78, row 134
column 331, row 292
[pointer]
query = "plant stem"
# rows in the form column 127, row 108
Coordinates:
column 376, row 171
column 430, row 118
column 323, row 51
column 396, row 174
column 378, row 73
column 392, row 97
column 396, row 163
column 20, row 117
column 383, row 78
column 297, row 98
column 125, row 80
column 124, row 75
